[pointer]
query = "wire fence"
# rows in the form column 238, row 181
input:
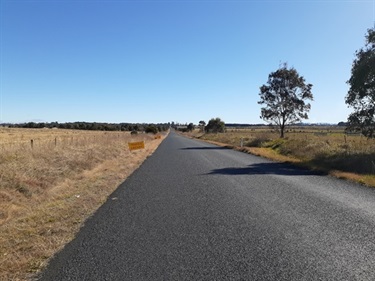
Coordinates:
column 66, row 141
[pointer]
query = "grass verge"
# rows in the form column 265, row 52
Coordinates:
column 346, row 157
column 47, row 192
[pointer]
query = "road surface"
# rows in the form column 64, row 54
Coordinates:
column 195, row 211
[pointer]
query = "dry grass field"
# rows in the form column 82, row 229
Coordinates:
column 327, row 149
column 50, row 181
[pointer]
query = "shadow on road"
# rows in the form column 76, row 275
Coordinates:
column 204, row 148
column 264, row 169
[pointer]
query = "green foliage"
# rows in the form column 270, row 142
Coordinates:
column 361, row 95
column 284, row 98
column 151, row 129
column 202, row 125
column 190, row 127
column 215, row 125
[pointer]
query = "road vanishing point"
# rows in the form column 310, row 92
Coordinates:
column 195, row 211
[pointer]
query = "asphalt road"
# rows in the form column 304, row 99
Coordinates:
column 195, row 211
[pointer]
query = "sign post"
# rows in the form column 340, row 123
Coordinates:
column 136, row 145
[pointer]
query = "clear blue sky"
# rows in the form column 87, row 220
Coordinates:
column 163, row 61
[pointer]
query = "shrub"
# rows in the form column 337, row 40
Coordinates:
column 151, row 129
column 215, row 125
column 259, row 141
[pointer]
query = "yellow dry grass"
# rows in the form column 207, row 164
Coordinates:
column 48, row 190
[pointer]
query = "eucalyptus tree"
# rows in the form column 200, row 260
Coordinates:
column 285, row 98
column 361, row 95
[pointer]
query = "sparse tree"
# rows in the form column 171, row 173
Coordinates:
column 202, row 124
column 284, row 98
column 361, row 95
column 190, row 127
column 215, row 125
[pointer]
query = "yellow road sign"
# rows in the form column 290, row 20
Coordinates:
column 136, row 145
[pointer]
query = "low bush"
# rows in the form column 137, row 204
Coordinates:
column 259, row 141
column 151, row 129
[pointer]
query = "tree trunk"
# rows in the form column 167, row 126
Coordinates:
column 282, row 127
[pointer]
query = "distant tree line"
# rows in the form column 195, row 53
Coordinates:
column 215, row 125
column 94, row 126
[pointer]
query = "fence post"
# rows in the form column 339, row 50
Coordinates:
column 32, row 144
